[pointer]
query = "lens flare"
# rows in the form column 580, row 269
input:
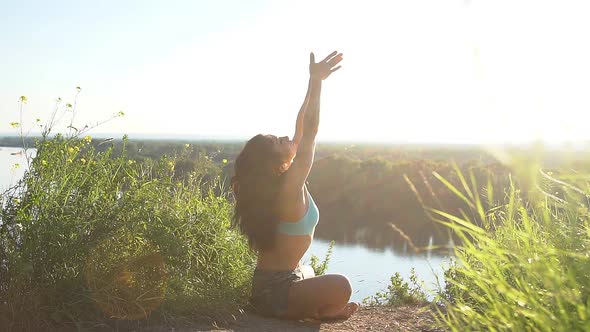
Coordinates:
column 127, row 276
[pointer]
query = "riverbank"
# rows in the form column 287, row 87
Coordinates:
column 374, row 318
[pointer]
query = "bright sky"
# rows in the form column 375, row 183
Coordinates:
column 413, row 71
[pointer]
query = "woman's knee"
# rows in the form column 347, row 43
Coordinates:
column 342, row 286
column 313, row 293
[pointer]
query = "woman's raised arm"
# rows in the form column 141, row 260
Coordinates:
column 300, row 116
column 318, row 72
column 308, row 119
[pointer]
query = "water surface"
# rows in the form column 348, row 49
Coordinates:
column 370, row 270
column 13, row 164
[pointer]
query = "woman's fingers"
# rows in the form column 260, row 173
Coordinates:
column 335, row 60
column 311, row 58
column 330, row 56
column 335, row 69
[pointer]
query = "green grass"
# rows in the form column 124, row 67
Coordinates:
column 524, row 262
column 88, row 236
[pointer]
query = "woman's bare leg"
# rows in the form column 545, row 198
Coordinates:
column 323, row 297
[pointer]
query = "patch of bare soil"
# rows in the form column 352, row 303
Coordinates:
column 406, row 318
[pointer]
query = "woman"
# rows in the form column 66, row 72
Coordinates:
column 277, row 214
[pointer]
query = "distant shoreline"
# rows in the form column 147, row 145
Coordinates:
column 582, row 145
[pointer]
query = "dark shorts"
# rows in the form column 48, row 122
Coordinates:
column 270, row 291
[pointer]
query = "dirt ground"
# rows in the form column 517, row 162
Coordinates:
column 407, row 318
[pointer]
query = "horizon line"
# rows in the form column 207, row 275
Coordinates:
column 198, row 137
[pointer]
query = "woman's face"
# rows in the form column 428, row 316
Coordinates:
column 284, row 147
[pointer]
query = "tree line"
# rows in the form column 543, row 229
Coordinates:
column 371, row 194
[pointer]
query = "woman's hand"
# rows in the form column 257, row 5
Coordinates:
column 324, row 68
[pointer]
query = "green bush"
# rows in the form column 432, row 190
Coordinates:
column 87, row 236
column 399, row 292
column 319, row 269
column 528, row 267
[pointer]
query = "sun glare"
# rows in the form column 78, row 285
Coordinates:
column 419, row 71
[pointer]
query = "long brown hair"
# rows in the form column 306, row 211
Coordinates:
column 256, row 186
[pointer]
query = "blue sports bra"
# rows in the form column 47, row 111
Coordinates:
column 305, row 225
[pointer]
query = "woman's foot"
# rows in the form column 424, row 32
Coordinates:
column 345, row 313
